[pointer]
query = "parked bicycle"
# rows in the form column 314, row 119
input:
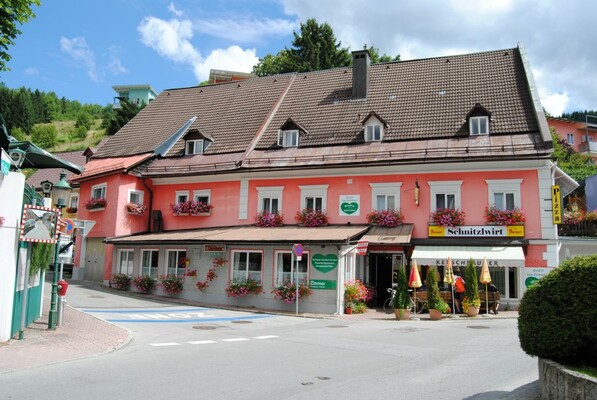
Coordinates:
column 389, row 308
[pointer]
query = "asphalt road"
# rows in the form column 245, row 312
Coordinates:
column 182, row 352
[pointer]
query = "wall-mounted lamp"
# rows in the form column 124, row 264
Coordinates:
column 417, row 191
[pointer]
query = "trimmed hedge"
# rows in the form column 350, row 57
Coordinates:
column 558, row 315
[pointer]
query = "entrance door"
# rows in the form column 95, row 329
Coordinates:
column 380, row 272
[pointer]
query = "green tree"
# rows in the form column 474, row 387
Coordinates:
column 376, row 58
column 114, row 119
column 12, row 13
column 315, row 48
column 44, row 135
column 18, row 134
column 84, row 121
column 576, row 165
column 21, row 114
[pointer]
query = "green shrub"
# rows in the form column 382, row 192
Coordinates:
column 84, row 120
column 45, row 136
column 18, row 134
column 471, row 284
column 78, row 133
column 557, row 318
column 121, row 281
column 401, row 299
column 434, row 300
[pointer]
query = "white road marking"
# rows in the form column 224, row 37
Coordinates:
column 265, row 337
column 202, row 342
column 165, row 344
column 235, row 340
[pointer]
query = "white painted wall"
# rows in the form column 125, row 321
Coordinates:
column 11, row 204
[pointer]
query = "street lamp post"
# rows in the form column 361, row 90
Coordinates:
column 60, row 192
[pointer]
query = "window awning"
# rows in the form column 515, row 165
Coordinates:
column 400, row 234
column 497, row 256
column 249, row 234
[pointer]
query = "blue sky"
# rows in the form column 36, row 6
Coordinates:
column 80, row 49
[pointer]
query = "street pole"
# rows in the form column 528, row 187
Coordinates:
column 52, row 315
column 297, row 284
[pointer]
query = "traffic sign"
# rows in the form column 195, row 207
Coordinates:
column 362, row 247
column 298, row 249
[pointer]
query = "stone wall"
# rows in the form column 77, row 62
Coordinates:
column 557, row 382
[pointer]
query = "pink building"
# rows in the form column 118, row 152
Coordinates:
column 581, row 136
column 453, row 135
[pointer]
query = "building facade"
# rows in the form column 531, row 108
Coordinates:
column 392, row 154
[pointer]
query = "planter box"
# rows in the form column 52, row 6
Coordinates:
column 96, row 209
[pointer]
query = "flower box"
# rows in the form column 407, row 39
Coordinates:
column 446, row 217
column 96, row 204
column 243, row 288
column 193, row 208
column 311, row 218
column 286, row 292
column 495, row 216
column 135, row 209
column 268, row 219
column 72, row 210
column 171, row 283
column 388, row 218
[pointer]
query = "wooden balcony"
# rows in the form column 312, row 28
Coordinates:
column 582, row 229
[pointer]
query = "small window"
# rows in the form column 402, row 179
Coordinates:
column 385, row 196
column 445, row 200
column 479, row 125
column 314, row 197
column 125, row 262
column 247, row 265
column 285, row 268
column 136, row 197
column 373, row 133
column 270, row 199
column 194, row 147
column 270, row 204
column 288, row 138
column 175, row 262
column 98, row 192
column 149, row 262
column 202, row 196
column 570, row 138
column 182, row 196
column 73, row 201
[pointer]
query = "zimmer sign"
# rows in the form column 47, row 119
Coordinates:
column 477, row 231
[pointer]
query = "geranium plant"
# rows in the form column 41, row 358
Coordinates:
column 183, row 262
column 191, row 207
column 136, row 209
column 311, row 218
column 389, row 218
column 496, row 216
column 144, row 283
column 190, row 273
column 171, row 283
column 243, row 288
column 573, row 217
column 120, row 281
column 211, row 275
column 95, row 203
column 269, row 219
column 71, row 210
column 356, row 295
column 286, row 292
column 447, row 217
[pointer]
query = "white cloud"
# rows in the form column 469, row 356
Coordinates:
column 174, row 10
column 555, row 104
column 115, row 64
column 80, row 52
column 31, row 71
column 245, row 30
column 172, row 39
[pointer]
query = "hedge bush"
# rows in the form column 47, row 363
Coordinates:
column 557, row 317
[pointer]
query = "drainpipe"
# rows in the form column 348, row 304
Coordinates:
column 150, row 204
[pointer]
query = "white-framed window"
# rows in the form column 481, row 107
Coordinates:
column 73, row 201
column 149, row 262
column 181, row 196
column 507, row 281
column 194, row 146
column 173, row 261
column 479, row 125
column 314, row 197
column 125, row 261
column 504, row 193
column 373, row 132
column 270, row 199
column 570, row 138
column 136, row 196
column 98, row 191
column 247, row 264
column 202, row 196
column 385, row 196
column 286, row 268
column 445, row 194
column 289, row 138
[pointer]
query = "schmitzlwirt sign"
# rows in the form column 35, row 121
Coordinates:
column 476, row 231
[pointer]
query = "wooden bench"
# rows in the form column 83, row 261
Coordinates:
column 493, row 300
column 422, row 298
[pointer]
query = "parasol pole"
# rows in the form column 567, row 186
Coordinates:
column 486, row 301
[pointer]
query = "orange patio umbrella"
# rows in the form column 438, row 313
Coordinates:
column 414, row 281
column 449, row 279
column 485, row 278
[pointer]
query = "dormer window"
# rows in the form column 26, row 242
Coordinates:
column 373, row 133
column 288, row 138
column 479, row 125
column 194, row 146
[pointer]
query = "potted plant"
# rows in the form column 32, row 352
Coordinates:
column 95, row 204
column 286, row 292
column 311, row 218
column 144, row 283
column 199, row 208
column 120, row 281
column 171, row 283
column 388, row 218
column 355, row 296
column 268, row 219
column 471, row 302
column 437, row 306
column 135, row 209
column 401, row 299
column 496, row 216
column 446, row 217
column 243, row 287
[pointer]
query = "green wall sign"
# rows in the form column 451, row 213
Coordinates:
column 322, row 284
column 324, row 263
column 350, row 205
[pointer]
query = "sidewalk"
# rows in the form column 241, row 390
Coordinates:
column 83, row 335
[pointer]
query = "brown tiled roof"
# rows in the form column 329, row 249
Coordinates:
column 53, row 174
column 231, row 113
column 101, row 166
column 419, row 100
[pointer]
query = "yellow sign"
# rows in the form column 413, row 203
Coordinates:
column 556, row 204
column 437, row 230
column 515, row 230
